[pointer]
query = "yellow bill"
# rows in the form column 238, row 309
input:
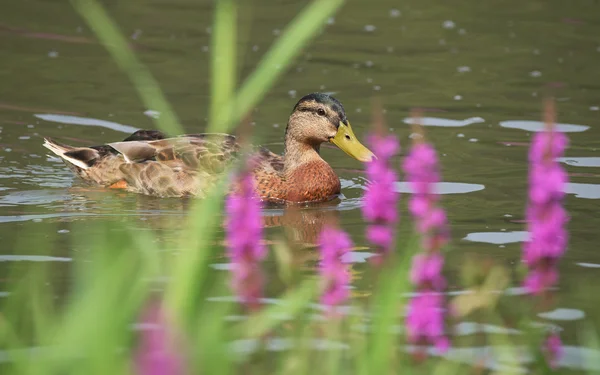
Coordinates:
column 347, row 142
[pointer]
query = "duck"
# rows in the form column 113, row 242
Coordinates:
column 151, row 163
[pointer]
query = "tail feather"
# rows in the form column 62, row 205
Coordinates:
column 82, row 157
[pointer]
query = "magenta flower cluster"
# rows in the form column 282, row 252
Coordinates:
column 381, row 198
column 546, row 217
column 244, row 238
column 334, row 244
column 553, row 349
column 425, row 315
column 425, row 320
column 156, row 351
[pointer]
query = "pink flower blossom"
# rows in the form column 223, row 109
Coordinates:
column 157, row 352
column 333, row 244
column 546, row 218
column 381, row 197
column 427, row 271
column 244, row 234
column 554, row 349
column 425, row 319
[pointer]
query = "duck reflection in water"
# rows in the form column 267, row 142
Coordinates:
column 302, row 225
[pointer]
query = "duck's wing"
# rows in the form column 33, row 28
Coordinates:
column 208, row 152
column 178, row 166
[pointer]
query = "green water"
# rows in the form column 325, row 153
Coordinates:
column 490, row 62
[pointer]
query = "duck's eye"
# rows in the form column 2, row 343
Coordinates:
column 321, row 112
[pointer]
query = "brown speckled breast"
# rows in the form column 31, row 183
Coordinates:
column 314, row 181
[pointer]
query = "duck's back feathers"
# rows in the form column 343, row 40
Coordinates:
column 178, row 166
column 149, row 163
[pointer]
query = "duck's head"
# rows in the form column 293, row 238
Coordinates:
column 319, row 118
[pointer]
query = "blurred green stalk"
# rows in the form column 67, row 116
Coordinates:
column 223, row 68
column 148, row 89
column 295, row 37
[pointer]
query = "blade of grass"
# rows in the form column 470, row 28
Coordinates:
column 223, row 59
column 295, row 37
column 388, row 304
column 97, row 320
column 184, row 293
column 334, row 355
column 148, row 89
column 212, row 350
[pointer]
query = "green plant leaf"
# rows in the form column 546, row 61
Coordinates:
column 148, row 89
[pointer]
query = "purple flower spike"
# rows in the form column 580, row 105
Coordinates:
column 425, row 318
column 380, row 235
column 546, row 218
column 554, row 349
column 156, row 353
column 244, row 234
column 334, row 243
column 426, row 271
column 381, row 198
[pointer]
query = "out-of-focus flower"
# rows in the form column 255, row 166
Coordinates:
column 554, row 349
column 244, row 235
column 546, row 217
column 157, row 352
column 426, row 271
column 425, row 316
column 425, row 320
column 381, row 198
column 333, row 244
column 422, row 173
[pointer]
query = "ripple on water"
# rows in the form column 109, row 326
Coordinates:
column 85, row 121
column 563, row 314
column 469, row 328
column 586, row 191
column 535, row 126
column 443, row 187
column 275, row 344
column 497, row 238
column 356, row 256
column 438, row 121
column 32, row 258
column 33, row 197
column 588, row 265
column 581, row 162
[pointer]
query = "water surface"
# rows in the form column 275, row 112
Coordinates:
column 478, row 70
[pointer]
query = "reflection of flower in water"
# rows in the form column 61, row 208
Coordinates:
column 302, row 226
